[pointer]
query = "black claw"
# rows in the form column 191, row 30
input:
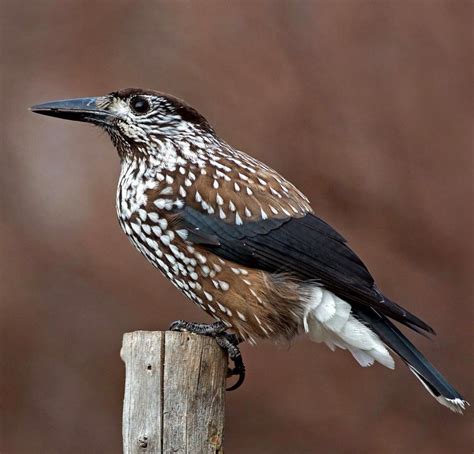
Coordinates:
column 239, row 370
column 228, row 342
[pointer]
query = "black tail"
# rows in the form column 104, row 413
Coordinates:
column 431, row 379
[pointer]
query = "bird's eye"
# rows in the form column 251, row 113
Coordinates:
column 140, row 105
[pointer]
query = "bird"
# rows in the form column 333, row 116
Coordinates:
column 241, row 241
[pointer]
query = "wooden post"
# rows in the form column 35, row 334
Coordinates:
column 174, row 393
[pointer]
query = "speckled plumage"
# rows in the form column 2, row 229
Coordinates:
column 147, row 200
column 241, row 241
column 198, row 170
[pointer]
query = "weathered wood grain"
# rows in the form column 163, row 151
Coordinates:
column 174, row 393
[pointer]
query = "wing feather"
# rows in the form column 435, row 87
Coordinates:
column 306, row 247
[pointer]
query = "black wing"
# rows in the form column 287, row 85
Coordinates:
column 306, row 247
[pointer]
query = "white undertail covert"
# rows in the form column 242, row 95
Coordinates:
column 328, row 319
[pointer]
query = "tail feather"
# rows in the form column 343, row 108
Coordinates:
column 428, row 375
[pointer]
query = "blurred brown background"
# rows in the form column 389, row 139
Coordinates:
column 365, row 105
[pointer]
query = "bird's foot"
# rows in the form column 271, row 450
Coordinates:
column 228, row 342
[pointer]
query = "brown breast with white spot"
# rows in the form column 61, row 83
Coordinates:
column 235, row 191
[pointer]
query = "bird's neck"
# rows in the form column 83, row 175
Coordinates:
column 165, row 154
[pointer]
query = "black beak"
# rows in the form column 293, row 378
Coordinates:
column 79, row 109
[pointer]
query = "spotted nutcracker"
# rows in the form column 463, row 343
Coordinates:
column 241, row 241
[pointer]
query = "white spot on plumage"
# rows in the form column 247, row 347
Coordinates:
column 169, row 179
column 170, row 259
column 217, row 267
column 182, row 233
column 236, row 187
column 174, row 250
column 241, row 316
column 274, row 192
column 198, row 197
column 142, row 214
column 182, row 191
column 154, row 217
column 222, row 215
column 163, row 203
column 179, row 283
column 208, row 295
column 224, row 285
column 166, row 191
column 215, row 184
column 158, row 252
column 238, row 219
column 201, row 258
column 293, row 208
column 219, row 199
column 162, row 265
column 231, row 206
column 165, row 239
column 136, row 228
column 187, row 182
column 249, row 191
column 163, row 223
column 264, row 215
column 247, row 212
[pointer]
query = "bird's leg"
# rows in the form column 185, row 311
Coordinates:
column 228, row 342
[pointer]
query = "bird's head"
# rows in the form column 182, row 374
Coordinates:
column 140, row 122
